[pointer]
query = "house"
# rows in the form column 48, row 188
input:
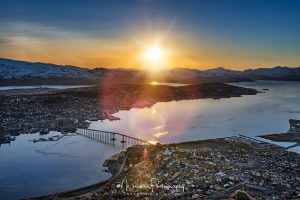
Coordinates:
column 167, row 152
column 294, row 126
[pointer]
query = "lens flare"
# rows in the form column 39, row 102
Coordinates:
column 145, row 153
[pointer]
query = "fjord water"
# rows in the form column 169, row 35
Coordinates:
column 30, row 169
column 41, row 86
column 177, row 121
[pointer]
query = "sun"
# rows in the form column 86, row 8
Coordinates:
column 154, row 54
column 153, row 57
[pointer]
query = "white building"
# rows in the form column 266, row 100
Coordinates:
column 168, row 152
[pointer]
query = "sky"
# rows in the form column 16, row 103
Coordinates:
column 201, row 34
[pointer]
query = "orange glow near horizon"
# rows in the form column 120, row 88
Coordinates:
column 146, row 50
column 146, row 46
column 134, row 54
column 154, row 83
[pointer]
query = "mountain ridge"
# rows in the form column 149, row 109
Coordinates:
column 38, row 72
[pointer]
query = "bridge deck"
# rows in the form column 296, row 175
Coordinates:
column 110, row 136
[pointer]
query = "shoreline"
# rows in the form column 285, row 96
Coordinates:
column 239, row 162
column 116, row 167
column 282, row 137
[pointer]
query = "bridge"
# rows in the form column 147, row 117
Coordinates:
column 111, row 137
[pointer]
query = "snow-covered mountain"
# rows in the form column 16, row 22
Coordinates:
column 226, row 75
column 21, row 72
column 276, row 73
column 11, row 69
column 221, row 71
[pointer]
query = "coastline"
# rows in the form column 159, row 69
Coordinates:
column 239, row 162
column 123, row 169
column 282, row 137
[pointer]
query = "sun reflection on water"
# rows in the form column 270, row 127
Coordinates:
column 158, row 123
column 154, row 83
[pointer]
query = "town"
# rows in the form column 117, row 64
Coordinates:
column 33, row 114
column 206, row 169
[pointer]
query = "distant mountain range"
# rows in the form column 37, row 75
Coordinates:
column 21, row 72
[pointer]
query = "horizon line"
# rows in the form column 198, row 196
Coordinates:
column 141, row 68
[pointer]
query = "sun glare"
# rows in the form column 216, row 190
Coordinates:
column 154, row 57
column 154, row 54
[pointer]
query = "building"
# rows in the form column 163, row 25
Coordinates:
column 168, row 152
column 294, row 126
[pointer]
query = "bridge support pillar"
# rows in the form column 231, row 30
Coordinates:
column 123, row 139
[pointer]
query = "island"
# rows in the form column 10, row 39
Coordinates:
column 69, row 109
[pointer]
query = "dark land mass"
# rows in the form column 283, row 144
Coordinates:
column 124, row 97
column 69, row 109
column 48, row 81
column 117, row 76
column 282, row 137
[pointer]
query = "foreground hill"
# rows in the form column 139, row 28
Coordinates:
column 14, row 72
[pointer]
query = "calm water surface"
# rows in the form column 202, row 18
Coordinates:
column 169, row 84
column 186, row 120
column 29, row 169
column 42, row 86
